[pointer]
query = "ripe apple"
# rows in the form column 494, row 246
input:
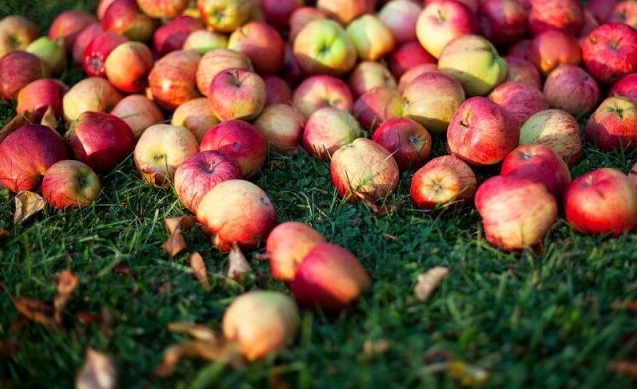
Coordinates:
column 564, row 15
column 98, row 50
column 553, row 48
column 138, row 112
column 202, row 41
column 283, row 126
column 128, row 65
column 520, row 48
column 124, row 17
column 557, row 129
column 172, row 35
column 371, row 37
column 610, row 52
column 236, row 212
column 625, row 87
column 632, row 175
column 287, row 246
column 27, row 153
column 377, row 105
column 94, row 94
column 413, row 73
column 216, row 60
column 520, row 100
column 602, row 201
column 601, row 9
column 240, row 140
column 237, row 94
column 16, row 32
column 17, row 69
column 100, row 140
column 225, row 15
column 302, row 16
column 328, row 129
column 83, row 39
column 400, row 16
column 481, row 132
column 102, row 6
column 570, row 88
column 196, row 116
column 516, row 212
column 522, row 70
column 277, row 13
column 52, row 52
column 162, row 9
column 330, row 278
column 37, row 96
column 262, row 44
column 172, row 79
column 613, row 124
column 443, row 181
column 409, row 142
column 277, row 90
column 344, row 11
column 368, row 75
column 407, row 56
column 624, row 12
column 200, row 172
column 70, row 184
column 503, row 22
column 442, row 21
column 473, row 5
column 321, row 91
column 68, row 24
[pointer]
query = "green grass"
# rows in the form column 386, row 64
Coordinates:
column 541, row 320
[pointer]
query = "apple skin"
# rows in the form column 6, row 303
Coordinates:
column 240, row 140
column 95, row 94
column 200, row 172
column 520, row 48
column 83, row 39
column 321, row 91
column 98, row 50
column 172, row 80
column 440, row 22
column 68, row 25
column 368, row 75
column 602, row 201
column 215, row 61
column 481, row 132
column 160, row 150
column 632, row 175
column 172, row 35
column 128, row 65
column 409, row 142
column 625, row 87
column 283, row 126
column 277, row 90
column 100, row 140
column 237, row 93
column 557, row 129
column 287, row 246
column 522, row 70
column 16, row 32
column 624, row 12
column 564, row 15
column 202, row 41
column 17, row 69
column 302, row 16
column 610, row 52
column 27, row 153
column 407, row 56
column 613, row 125
column 37, row 96
column 277, row 13
column 70, row 184
column 503, row 22
column 236, row 212
column 162, row 9
column 443, row 181
column 329, row 278
column 138, row 112
column 52, row 52
column 601, row 9
column 225, row 16
column 262, row 44
column 323, row 46
column 124, row 17
column 261, row 322
column 570, row 88
column 539, row 163
column 516, row 212
column 553, row 48
column 329, row 129
column 344, row 11
column 377, row 105
column 371, row 37
column 364, row 169
column 413, row 73
column 400, row 16
column 196, row 116
column 520, row 100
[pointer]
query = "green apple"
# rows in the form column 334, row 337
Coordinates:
column 371, row 37
column 323, row 46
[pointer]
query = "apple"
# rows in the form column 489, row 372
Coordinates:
column 344, row 11
column 330, row 278
column 432, row 99
column 277, row 90
column 240, row 140
column 442, row 21
column 601, row 9
column 236, row 212
column 200, row 172
column 368, row 75
column 520, row 49
column 625, row 87
column 557, row 129
column 481, row 132
column 400, row 16
column 100, row 140
column 237, row 93
column 89, row 94
column 364, row 169
column 17, row 69
column 172, row 80
column 603, row 201
column 67, row 26
column 302, row 16
column 520, row 100
column 261, row 322
column 624, row 12
column 262, row 44
column 124, row 17
column 540, row 163
column 443, row 181
column 516, row 212
column 52, row 52
column 172, row 35
column 283, row 126
column 138, row 112
column 323, row 46
column 473, row 5
column 70, row 184
column 613, row 125
column 328, row 129
column 564, row 15
column 610, row 52
column 407, row 56
column 216, row 60
column 553, row 48
column 371, row 37
column 16, row 32
column 128, row 65
column 202, row 41
column 503, row 22
column 321, row 91
column 522, row 70
column 377, row 105
column 632, row 175
column 570, row 88
column 590, row 23
column 98, row 50
column 225, row 15
column 475, row 63
column 277, row 13
column 162, row 9
column 27, row 153
column 37, row 96
column 414, row 72
column 83, row 39
column 287, row 246
column 196, row 116
column 409, row 142
column 102, row 6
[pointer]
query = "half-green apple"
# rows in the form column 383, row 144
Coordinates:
column 70, row 184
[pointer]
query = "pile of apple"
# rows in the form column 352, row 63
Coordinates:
column 199, row 91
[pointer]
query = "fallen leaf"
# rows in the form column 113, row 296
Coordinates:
column 15, row 123
column 66, row 282
column 628, row 368
column 27, row 204
column 199, row 270
column 374, row 348
column 176, row 242
column 428, row 282
column 468, row 375
column 36, row 310
column 98, row 372
column 209, row 350
column 3, row 233
column 238, row 265
column 49, row 119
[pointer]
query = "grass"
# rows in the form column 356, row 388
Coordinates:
column 532, row 319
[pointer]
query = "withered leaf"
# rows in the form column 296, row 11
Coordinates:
column 98, row 372
column 194, row 330
column 199, row 270
column 3, row 233
column 176, row 242
column 468, row 375
column 36, row 310
column 428, row 282
column 27, row 204
column 210, row 350
column 49, row 119
column 374, row 348
column 66, row 283
column 628, row 368
column 238, row 264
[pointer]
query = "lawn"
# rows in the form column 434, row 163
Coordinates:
column 554, row 317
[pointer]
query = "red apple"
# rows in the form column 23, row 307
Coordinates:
column 602, row 201
column 27, row 153
column 163, row 9
column 570, row 88
column 70, row 184
column 216, row 60
column 283, row 126
column 196, row 116
column 624, row 12
column 377, row 105
column 128, row 65
column 16, row 32
column 409, row 142
column 124, row 17
column 442, row 21
column 443, row 181
column 625, row 87
column 98, row 50
column 613, row 125
column 237, row 94
column 553, row 48
column 83, row 39
column 68, row 25
column 102, row 6
column 36, row 97
column 520, row 49
column 368, row 75
column 262, row 44
column 473, row 5
column 610, row 52
column 277, row 13
column 172, row 35
column 277, row 90
column 520, row 100
column 302, row 16
column 90, row 94
column 17, row 69
column 632, row 175
column 601, row 9
column 321, row 91
column 407, row 56
column 564, row 15
column 503, row 21
column 557, row 129
column 328, row 129
column 414, row 72
column 138, row 112
column 522, row 70
column 344, row 11
column 172, row 79
column 400, row 16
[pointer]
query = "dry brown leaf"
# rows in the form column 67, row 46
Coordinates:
column 176, row 242
column 27, row 204
column 428, row 282
column 373, row 348
column 15, row 123
column 98, row 372
column 210, row 350
column 238, row 264
column 36, row 310
column 199, row 270
column 3, row 233
column 468, row 375
column 628, row 368
column 194, row 330
column 66, row 282
column 49, row 119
